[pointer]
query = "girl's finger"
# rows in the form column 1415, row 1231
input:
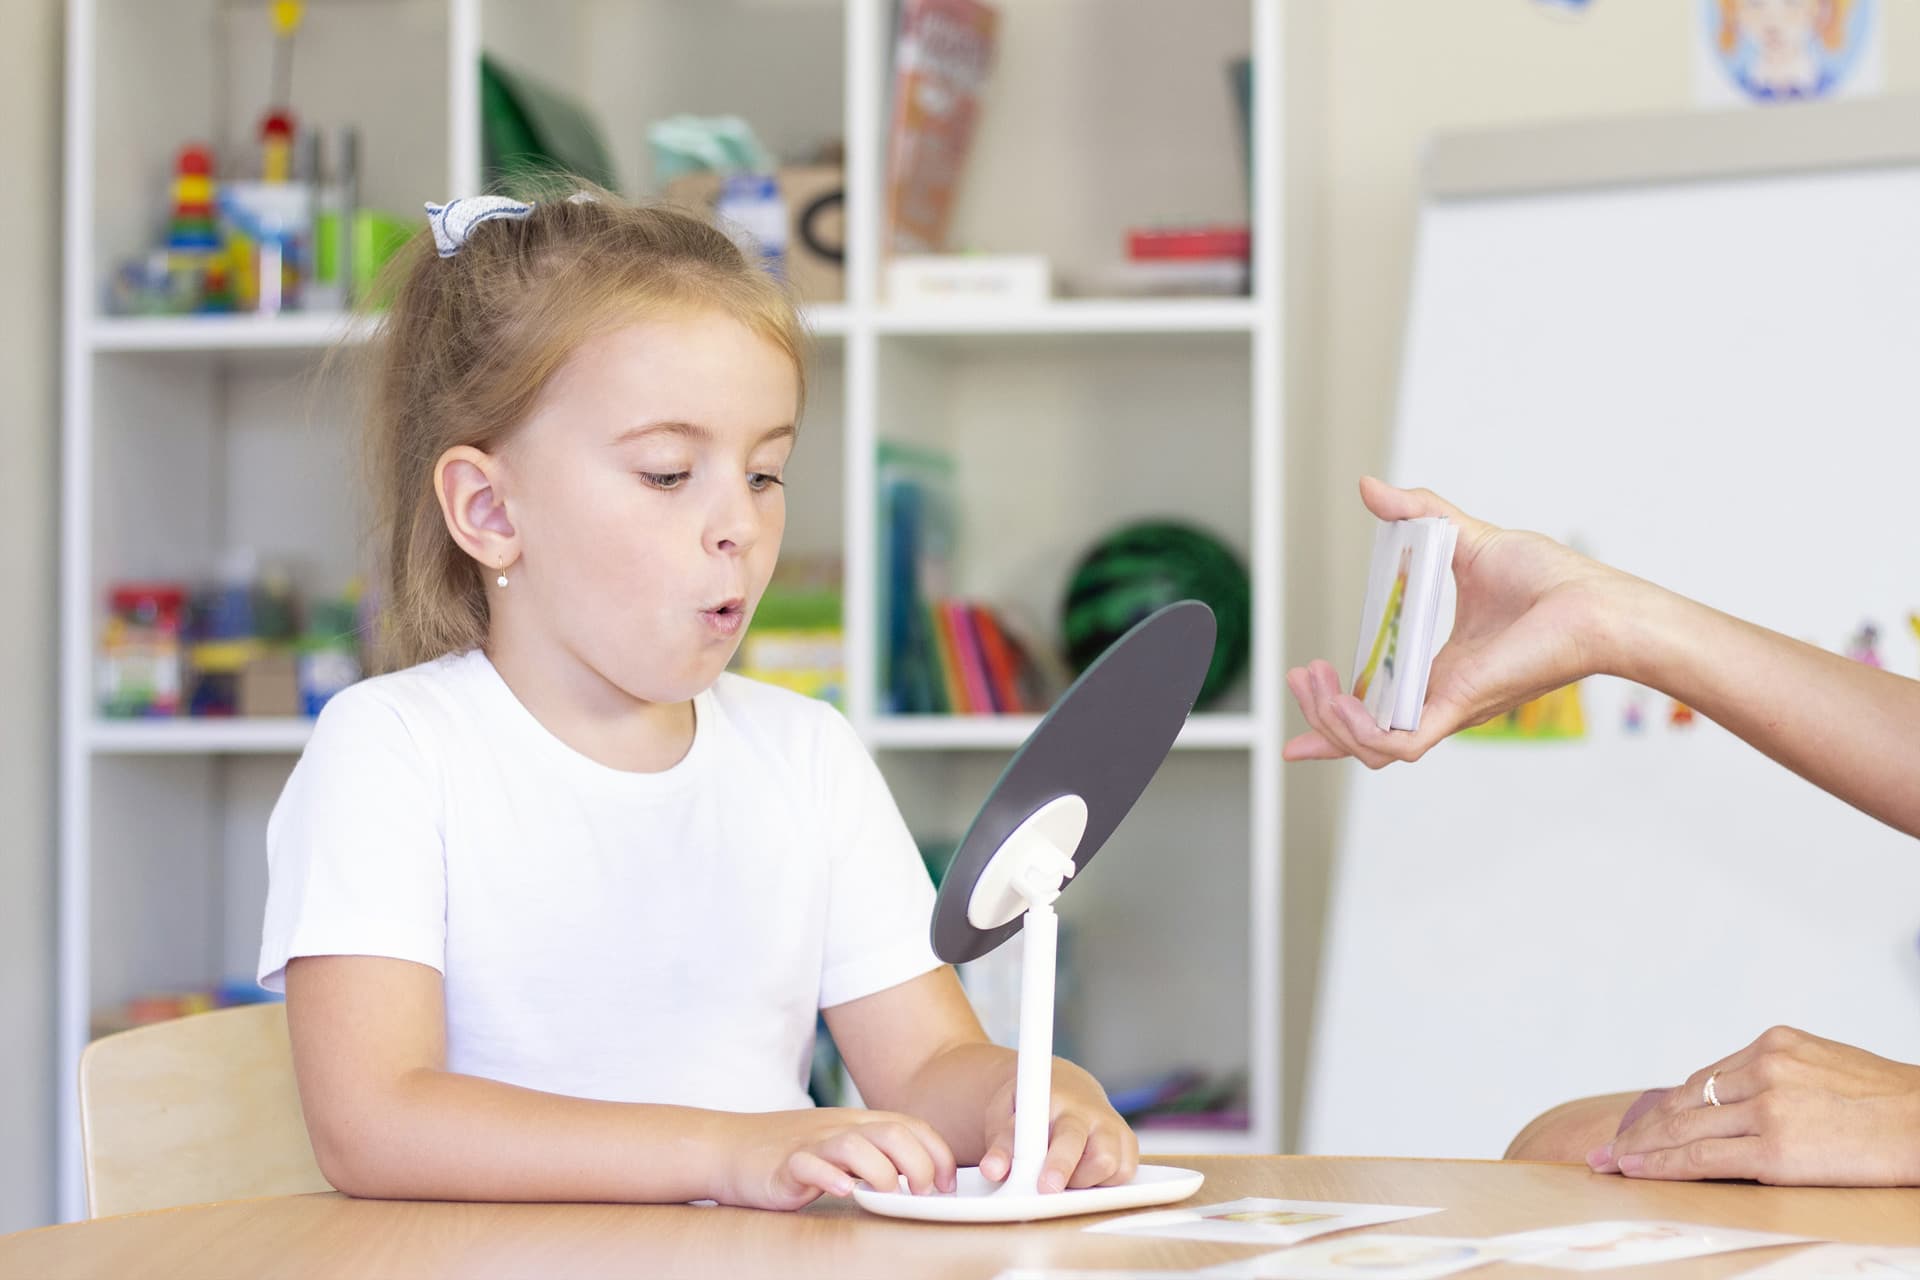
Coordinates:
column 945, row 1166
column 853, row 1152
column 907, row 1150
column 1129, row 1153
column 1100, row 1162
column 999, row 1157
column 1063, row 1153
column 811, row 1172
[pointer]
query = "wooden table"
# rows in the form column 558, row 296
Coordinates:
column 331, row 1235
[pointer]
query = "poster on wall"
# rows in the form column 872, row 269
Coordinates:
column 1762, row 52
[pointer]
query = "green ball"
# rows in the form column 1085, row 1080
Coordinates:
column 1143, row 567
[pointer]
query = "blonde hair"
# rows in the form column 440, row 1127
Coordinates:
column 1832, row 28
column 470, row 341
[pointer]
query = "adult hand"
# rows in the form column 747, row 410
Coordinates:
column 1531, row 616
column 1795, row 1110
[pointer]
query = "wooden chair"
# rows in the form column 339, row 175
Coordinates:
column 198, row 1109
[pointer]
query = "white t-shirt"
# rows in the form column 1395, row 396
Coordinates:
column 664, row 937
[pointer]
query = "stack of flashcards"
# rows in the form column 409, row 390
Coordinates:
column 1410, row 563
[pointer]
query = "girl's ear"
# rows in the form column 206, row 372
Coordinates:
column 468, row 481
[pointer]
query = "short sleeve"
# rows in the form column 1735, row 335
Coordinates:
column 880, row 898
column 355, row 848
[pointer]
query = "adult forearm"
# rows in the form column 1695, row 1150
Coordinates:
column 1849, row 728
column 439, row 1136
column 1568, row 1132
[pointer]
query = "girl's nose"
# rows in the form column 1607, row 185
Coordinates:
column 735, row 525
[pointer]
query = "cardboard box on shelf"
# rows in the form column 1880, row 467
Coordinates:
column 815, row 196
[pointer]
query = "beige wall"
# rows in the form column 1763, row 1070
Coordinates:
column 29, row 485
column 1394, row 72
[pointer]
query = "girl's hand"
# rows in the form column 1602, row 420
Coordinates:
column 1530, row 618
column 789, row 1159
column 1090, row 1146
column 1795, row 1110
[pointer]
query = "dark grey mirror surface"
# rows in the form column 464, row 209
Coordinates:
column 1104, row 740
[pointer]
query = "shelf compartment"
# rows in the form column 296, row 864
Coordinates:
column 182, row 735
column 949, row 733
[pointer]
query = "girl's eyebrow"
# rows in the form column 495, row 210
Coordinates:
column 693, row 431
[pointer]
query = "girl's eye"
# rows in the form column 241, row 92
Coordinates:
column 761, row 481
column 665, row 480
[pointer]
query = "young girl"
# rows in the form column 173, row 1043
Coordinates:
column 555, row 906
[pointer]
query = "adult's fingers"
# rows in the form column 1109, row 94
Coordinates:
column 1390, row 502
column 1323, row 688
column 1737, row 1077
column 1740, row 1081
column 1313, row 706
column 1663, row 1131
column 1311, row 745
column 1334, row 715
column 1600, row 1159
column 1707, row 1158
column 1345, row 721
column 1694, row 1092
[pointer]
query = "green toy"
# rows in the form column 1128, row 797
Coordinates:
column 1146, row 566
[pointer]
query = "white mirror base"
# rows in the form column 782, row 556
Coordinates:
column 974, row 1199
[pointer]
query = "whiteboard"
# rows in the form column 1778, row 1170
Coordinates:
column 1715, row 384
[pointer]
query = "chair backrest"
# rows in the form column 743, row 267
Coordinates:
column 197, row 1109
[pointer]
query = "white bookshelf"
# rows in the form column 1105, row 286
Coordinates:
column 255, row 735
column 185, row 436
column 226, row 335
column 1075, row 317
column 960, row 733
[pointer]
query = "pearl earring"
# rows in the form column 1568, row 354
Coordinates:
column 502, row 579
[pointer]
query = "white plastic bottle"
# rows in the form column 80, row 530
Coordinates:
column 751, row 210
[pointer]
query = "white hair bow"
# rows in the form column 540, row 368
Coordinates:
column 455, row 220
